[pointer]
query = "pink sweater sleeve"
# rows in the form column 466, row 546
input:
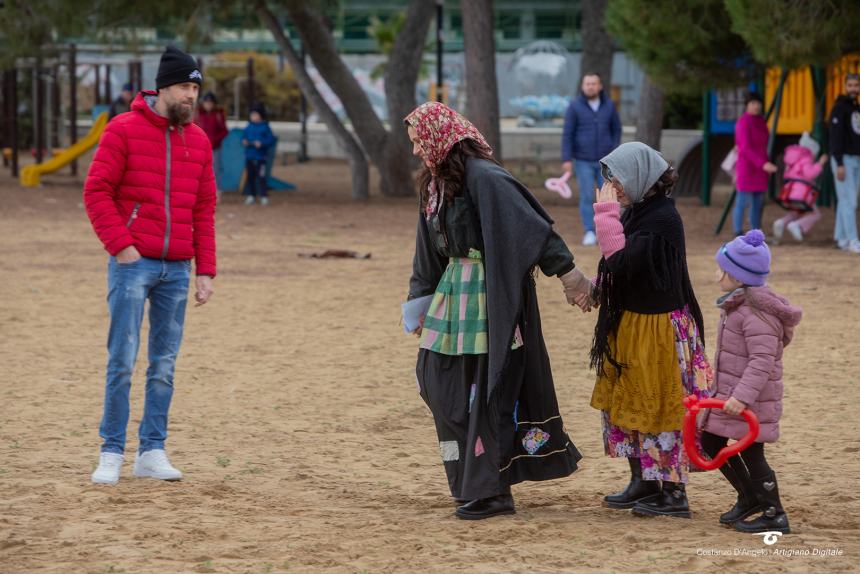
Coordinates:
column 610, row 233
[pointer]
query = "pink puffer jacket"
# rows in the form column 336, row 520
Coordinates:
column 800, row 164
column 755, row 326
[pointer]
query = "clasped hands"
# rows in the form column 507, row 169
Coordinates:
column 579, row 290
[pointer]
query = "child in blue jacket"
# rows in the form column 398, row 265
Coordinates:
column 257, row 138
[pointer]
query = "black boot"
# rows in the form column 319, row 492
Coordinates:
column 635, row 491
column 747, row 503
column 672, row 501
column 773, row 518
column 487, row 507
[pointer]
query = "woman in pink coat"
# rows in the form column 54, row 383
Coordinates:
column 753, row 167
column 800, row 166
column 755, row 326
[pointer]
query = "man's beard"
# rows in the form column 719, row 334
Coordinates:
column 178, row 114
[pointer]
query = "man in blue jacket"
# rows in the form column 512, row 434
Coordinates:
column 592, row 129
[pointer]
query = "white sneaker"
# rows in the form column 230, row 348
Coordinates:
column 853, row 246
column 154, row 464
column 264, row 201
column 842, row 244
column 795, row 230
column 589, row 239
column 249, row 200
column 110, row 465
column 778, row 229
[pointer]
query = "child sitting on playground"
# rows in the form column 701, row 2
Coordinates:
column 755, row 326
column 257, row 138
column 799, row 192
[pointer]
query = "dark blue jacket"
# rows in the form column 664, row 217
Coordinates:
column 262, row 133
column 590, row 135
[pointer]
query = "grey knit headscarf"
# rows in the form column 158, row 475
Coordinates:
column 636, row 166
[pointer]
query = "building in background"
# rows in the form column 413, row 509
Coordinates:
column 518, row 25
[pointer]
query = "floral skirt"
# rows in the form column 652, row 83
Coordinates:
column 662, row 454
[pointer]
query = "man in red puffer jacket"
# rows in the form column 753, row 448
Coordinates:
column 150, row 195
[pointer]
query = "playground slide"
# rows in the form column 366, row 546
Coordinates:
column 231, row 176
column 31, row 174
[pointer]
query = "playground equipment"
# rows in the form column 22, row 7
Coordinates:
column 542, row 77
column 796, row 100
column 230, row 174
column 31, row 174
column 55, row 66
column 559, row 185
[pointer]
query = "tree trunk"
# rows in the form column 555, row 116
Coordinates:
column 596, row 42
column 355, row 155
column 400, row 78
column 394, row 179
column 482, row 92
column 649, row 123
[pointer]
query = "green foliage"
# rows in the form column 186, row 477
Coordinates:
column 683, row 46
column 795, row 33
column 277, row 90
column 28, row 25
column 682, row 111
column 384, row 33
column 25, row 26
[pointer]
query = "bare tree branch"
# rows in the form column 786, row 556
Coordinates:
column 355, row 155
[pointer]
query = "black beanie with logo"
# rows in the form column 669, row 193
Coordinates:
column 177, row 67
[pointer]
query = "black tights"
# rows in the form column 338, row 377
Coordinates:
column 752, row 458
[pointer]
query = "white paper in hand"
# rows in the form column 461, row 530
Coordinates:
column 413, row 311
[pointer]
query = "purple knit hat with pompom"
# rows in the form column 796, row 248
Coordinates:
column 746, row 258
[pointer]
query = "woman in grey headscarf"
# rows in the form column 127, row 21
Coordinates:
column 647, row 347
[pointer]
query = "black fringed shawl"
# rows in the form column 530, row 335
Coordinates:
column 648, row 276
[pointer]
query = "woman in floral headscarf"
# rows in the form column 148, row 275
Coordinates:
column 482, row 366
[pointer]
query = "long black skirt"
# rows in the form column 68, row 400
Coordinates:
column 486, row 446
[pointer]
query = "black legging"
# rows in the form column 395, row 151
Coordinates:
column 752, row 457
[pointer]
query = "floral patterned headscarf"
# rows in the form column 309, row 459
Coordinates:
column 439, row 128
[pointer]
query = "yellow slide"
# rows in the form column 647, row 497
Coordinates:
column 31, row 174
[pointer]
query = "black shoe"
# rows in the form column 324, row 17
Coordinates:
column 637, row 490
column 747, row 504
column 487, row 507
column 773, row 517
column 672, row 501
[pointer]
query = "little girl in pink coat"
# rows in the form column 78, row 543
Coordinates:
column 801, row 170
column 755, row 326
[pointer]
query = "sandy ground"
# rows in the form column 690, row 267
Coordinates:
column 304, row 443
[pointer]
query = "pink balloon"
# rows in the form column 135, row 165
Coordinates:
column 559, row 185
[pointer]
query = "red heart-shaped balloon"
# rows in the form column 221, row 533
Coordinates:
column 693, row 405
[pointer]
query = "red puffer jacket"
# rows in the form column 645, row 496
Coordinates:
column 151, row 185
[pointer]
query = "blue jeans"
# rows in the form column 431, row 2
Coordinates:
column 755, row 200
column 255, row 180
column 846, row 198
column 165, row 284
column 587, row 176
